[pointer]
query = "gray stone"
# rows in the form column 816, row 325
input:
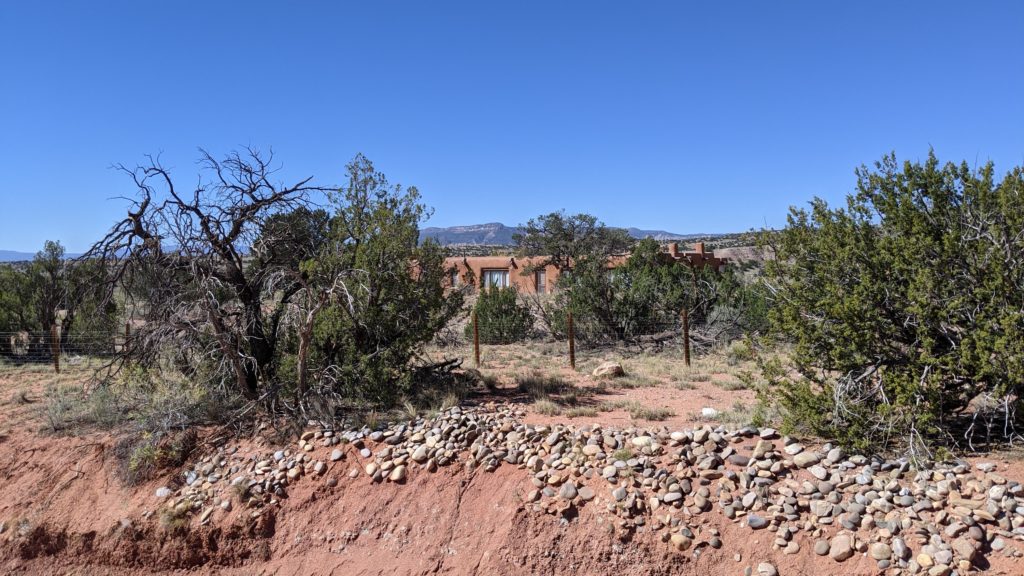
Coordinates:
column 793, row 449
column 818, row 472
column 899, row 549
column 336, row 455
column 805, row 459
column 880, row 551
column 840, row 548
column 756, row 522
column 568, row 491
column 821, row 547
column 766, row 569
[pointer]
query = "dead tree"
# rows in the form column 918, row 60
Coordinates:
column 210, row 277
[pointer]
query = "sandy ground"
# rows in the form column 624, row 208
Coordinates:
column 64, row 511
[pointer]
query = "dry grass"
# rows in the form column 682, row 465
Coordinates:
column 581, row 412
column 622, row 454
column 546, row 407
column 731, row 385
column 636, row 410
column 739, row 415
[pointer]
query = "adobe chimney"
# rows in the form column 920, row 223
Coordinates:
column 699, row 248
column 673, row 249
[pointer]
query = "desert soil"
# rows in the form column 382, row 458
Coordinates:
column 498, row 488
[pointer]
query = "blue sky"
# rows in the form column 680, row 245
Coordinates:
column 681, row 116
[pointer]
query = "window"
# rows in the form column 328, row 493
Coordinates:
column 492, row 278
column 540, row 280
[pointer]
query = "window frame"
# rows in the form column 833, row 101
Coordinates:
column 485, row 273
column 540, row 281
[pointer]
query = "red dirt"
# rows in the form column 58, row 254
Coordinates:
column 80, row 519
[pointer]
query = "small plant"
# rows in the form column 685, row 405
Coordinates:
column 738, row 352
column 143, row 455
column 490, row 382
column 537, row 385
column 622, row 454
column 731, row 385
column 681, row 385
column 632, row 381
column 699, row 377
column 241, row 492
column 739, row 415
column 547, row 408
column 409, row 409
column 501, row 319
column 581, row 412
column 173, row 518
column 653, row 414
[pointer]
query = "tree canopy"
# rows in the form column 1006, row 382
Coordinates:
column 906, row 306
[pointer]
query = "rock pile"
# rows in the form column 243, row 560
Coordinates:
column 669, row 482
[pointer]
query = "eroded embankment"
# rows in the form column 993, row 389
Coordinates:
column 476, row 491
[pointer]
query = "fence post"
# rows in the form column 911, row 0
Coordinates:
column 572, row 343
column 686, row 337
column 476, row 340
column 55, row 347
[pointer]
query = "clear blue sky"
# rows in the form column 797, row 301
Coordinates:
column 684, row 116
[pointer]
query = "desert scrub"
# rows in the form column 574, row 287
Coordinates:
column 547, row 408
column 581, row 412
column 738, row 352
column 538, row 385
column 142, row 457
column 636, row 410
column 653, row 414
column 622, row 454
column 731, row 385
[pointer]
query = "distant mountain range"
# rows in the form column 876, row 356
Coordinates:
column 12, row 256
column 492, row 234
column 498, row 234
column 15, row 256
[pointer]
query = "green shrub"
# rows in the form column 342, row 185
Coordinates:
column 903, row 307
column 500, row 316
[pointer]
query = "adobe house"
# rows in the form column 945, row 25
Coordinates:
column 505, row 271
column 698, row 258
column 501, row 271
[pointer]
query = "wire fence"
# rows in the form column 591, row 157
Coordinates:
column 571, row 335
column 61, row 350
column 562, row 333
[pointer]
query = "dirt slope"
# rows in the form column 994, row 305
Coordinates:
column 65, row 512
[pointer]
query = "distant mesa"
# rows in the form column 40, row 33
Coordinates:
column 498, row 234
